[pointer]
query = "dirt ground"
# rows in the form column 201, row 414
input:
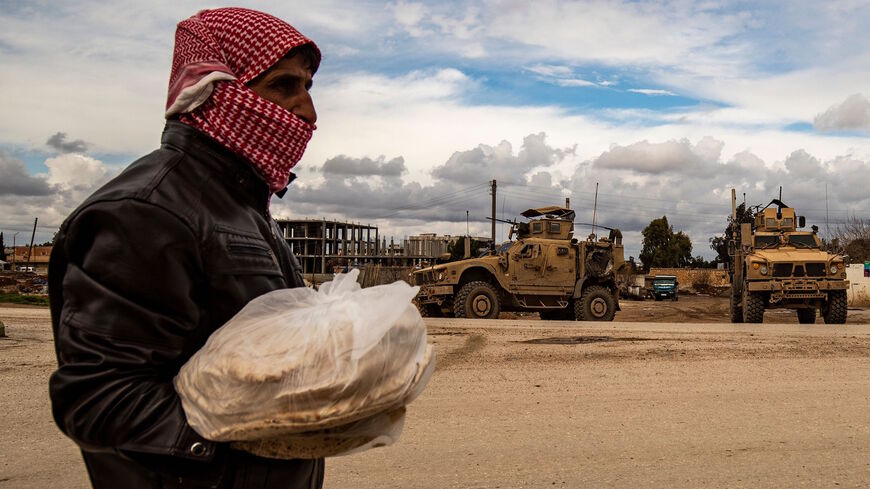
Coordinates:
column 530, row 403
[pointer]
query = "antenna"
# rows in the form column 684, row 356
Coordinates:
column 595, row 208
column 780, row 193
column 827, row 229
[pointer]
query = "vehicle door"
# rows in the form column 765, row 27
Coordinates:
column 558, row 265
column 526, row 263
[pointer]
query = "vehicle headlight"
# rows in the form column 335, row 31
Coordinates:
column 763, row 269
column 440, row 276
column 834, row 269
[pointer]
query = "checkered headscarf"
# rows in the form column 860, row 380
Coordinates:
column 216, row 53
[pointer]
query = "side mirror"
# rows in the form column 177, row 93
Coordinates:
column 802, row 221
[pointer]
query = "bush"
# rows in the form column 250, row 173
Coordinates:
column 35, row 300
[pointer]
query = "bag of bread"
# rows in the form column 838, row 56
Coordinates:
column 305, row 365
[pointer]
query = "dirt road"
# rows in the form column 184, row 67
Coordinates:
column 529, row 403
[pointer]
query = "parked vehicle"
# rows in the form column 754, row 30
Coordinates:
column 773, row 265
column 544, row 269
column 660, row 287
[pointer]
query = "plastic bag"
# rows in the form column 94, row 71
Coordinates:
column 298, row 360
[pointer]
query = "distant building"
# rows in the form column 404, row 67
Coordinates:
column 21, row 258
column 432, row 245
column 320, row 245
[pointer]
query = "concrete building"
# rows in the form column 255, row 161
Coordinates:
column 22, row 258
column 320, row 244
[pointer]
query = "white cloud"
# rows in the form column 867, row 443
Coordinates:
column 574, row 82
column 76, row 171
column 409, row 15
column 853, row 113
column 555, row 71
column 71, row 178
column 650, row 91
column 644, row 157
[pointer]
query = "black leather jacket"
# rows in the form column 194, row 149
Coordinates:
column 140, row 275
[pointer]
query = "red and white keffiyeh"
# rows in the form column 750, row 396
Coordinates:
column 216, row 53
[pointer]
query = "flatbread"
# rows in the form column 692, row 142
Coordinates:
column 340, row 440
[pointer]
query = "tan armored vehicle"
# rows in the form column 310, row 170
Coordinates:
column 544, row 269
column 776, row 266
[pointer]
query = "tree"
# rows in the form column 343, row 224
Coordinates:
column 50, row 243
column 662, row 247
column 2, row 248
column 700, row 262
column 853, row 238
column 719, row 244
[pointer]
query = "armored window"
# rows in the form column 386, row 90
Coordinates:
column 771, row 223
column 766, row 241
column 802, row 241
column 788, row 222
column 555, row 227
column 537, row 227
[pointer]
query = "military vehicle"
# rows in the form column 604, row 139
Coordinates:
column 544, row 269
column 774, row 265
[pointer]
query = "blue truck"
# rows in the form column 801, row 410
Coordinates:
column 660, row 287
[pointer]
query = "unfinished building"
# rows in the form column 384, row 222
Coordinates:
column 322, row 245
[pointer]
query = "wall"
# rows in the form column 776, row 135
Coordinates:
column 688, row 276
column 859, row 286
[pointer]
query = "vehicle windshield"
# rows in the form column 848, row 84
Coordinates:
column 663, row 282
column 802, row 241
column 504, row 246
column 766, row 241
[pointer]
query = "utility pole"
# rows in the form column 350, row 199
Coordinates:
column 33, row 235
column 595, row 210
column 13, row 250
column 493, row 214
column 466, row 252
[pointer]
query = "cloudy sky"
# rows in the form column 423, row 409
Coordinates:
column 666, row 105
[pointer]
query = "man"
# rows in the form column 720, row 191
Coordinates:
column 155, row 261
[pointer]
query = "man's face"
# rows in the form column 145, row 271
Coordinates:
column 287, row 83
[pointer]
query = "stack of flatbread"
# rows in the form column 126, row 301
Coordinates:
column 305, row 374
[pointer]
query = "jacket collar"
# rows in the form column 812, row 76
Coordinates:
column 234, row 169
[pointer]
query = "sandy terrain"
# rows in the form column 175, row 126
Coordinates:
column 529, row 403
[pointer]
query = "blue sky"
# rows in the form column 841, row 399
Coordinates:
column 667, row 105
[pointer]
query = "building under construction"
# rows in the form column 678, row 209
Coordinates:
column 323, row 245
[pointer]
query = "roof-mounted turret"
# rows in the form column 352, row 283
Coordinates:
column 781, row 218
column 556, row 223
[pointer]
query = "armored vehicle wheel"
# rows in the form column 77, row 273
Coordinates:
column 429, row 310
column 476, row 300
column 753, row 311
column 835, row 311
column 595, row 304
column 806, row 316
column 736, row 310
